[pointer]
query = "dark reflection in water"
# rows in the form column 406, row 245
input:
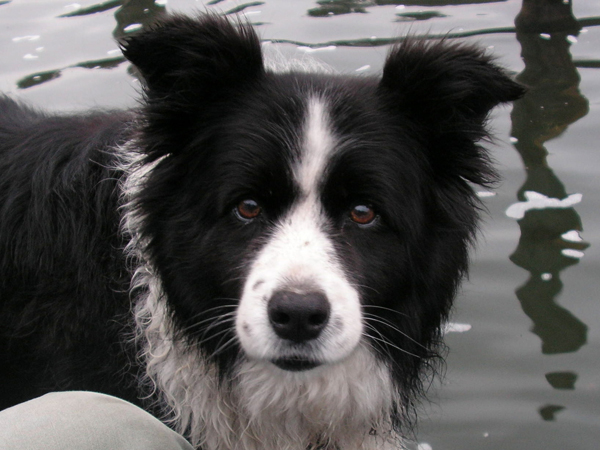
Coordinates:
column 93, row 9
column 242, row 8
column 339, row 7
column 42, row 77
column 419, row 15
column 550, row 239
column 143, row 12
column 446, row 2
column 548, row 412
column 130, row 14
column 562, row 380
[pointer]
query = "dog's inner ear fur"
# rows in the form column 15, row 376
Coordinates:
column 201, row 58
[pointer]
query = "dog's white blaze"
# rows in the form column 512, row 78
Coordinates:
column 318, row 145
column 301, row 257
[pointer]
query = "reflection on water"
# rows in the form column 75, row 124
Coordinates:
column 338, row 7
column 419, row 15
column 548, row 412
column 241, row 8
column 136, row 13
column 447, row 2
column 93, row 9
column 42, row 77
column 562, row 380
column 130, row 16
column 550, row 240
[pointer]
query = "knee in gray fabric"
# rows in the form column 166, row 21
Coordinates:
column 84, row 421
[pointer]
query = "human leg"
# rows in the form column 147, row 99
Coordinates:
column 80, row 420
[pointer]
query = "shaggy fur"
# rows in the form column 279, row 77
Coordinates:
column 264, row 259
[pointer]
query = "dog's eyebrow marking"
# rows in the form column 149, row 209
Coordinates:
column 317, row 146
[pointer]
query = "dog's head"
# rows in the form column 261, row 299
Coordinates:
column 293, row 218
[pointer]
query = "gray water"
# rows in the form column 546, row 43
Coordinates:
column 523, row 371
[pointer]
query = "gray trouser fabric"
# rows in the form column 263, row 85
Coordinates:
column 84, row 421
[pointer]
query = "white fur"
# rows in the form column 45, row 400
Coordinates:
column 318, row 146
column 277, row 61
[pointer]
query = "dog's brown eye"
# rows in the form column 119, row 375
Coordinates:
column 248, row 209
column 362, row 214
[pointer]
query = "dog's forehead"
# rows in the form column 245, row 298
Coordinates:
column 304, row 134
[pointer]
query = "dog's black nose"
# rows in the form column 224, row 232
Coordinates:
column 298, row 317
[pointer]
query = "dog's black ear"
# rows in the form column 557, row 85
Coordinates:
column 446, row 82
column 448, row 89
column 198, row 57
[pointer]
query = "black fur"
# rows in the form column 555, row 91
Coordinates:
column 63, row 284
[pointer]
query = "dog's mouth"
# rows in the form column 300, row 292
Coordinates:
column 295, row 364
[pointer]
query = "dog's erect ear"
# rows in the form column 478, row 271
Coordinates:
column 449, row 89
column 194, row 57
column 446, row 82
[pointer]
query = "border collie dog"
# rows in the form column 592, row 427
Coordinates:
column 265, row 258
